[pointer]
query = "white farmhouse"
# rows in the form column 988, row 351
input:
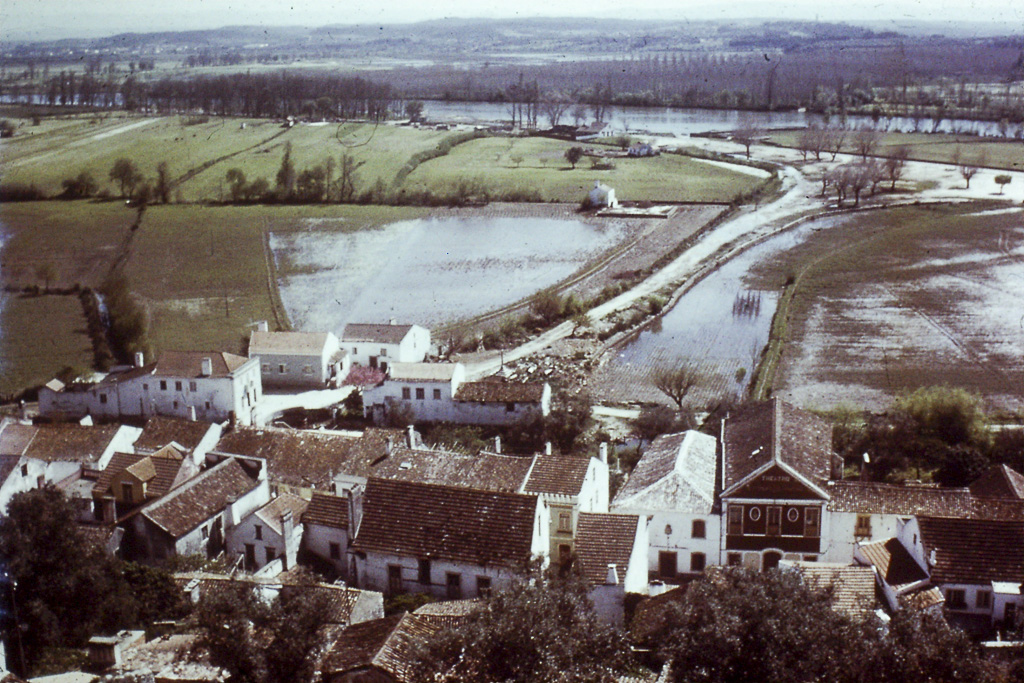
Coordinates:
column 445, row 541
column 210, row 386
column 673, row 486
column 380, row 346
column 299, row 359
column 426, row 388
column 272, row 532
column 603, row 196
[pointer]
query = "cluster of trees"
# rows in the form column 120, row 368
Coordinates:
column 132, row 184
column 60, row 588
column 937, row 432
column 328, row 182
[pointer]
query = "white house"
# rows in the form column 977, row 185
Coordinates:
column 299, row 359
column 603, row 196
column 382, row 345
column 210, row 386
column 325, row 535
column 445, row 541
column 611, row 551
column 497, row 401
column 271, row 532
column 673, row 485
column 195, row 517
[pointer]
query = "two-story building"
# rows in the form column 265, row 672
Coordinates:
column 382, row 345
column 272, row 532
column 299, row 359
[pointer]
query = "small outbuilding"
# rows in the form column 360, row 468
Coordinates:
column 603, row 197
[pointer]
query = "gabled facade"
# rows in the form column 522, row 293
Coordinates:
column 326, row 531
column 131, row 480
column 380, row 346
column 272, row 532
column 299, row 359
column 611, row 551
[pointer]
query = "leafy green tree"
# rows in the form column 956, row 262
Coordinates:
column 539, row 630
column 286, row 174
column 235, row 178
column 311, row 184
column 1002, row 180
column 573, row 155
column 80, row 187
column 414, row 110
column 126, row 175
column 163, row 185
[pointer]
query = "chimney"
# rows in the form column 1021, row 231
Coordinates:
column 410, row 436
column 291, row 548
column 547, row 448
column 355, row 511
column 865, row 461
column 389, row 446
column 262, row 326
column 613, row 576
column 140, row 359
column 206, row 368
column 392, row 321
column 602, row 451
column 497, row 444
column 932, row 560
column 192, row 413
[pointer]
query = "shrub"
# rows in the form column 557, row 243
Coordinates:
column 20, row 192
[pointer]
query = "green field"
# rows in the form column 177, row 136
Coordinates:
column 40, row 335
column 544, row 170
column 201, row 272
column 938, row 147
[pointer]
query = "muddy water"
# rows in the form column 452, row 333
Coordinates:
column 719, row 326
column 429, row 271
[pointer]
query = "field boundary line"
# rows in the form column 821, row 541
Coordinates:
column 273, row 291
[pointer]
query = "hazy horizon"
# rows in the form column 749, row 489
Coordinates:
column 37, row 20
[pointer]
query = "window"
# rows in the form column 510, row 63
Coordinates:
column 250, row 556
column 355, row 350
column 266, row 367
column 697, row 561
column 564, row 554
column 810, row 558
column 667, row 567
column 735, row 520
column 453, row 586
column 177, row 386
column 699, row 530
column 423, row 575
column 383, row 352
column 734, row 559
column 191, row 386
column 812, row 522
column 774, row 520
column 307, row 369
column 955, row 598
column 103, row 398
column 420, row 394
column 406, row 393
column 127, row 493
column 24, row 470
column 175, row 405
column 281, row 368
column 205, row 531
column 145, row 387
column 983, row 599
column 335, row 550
column 271, row 554
column 163, row 385
column 394, row 579
column 259, row 532
column 510, row 407
column 437, row 394
column 207, row 405
column 754, row 514
column 483, row 586
column 863, row 527
column 565, row 522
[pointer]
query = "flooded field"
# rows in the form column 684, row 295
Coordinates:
column 433, row 270
column 719, row 327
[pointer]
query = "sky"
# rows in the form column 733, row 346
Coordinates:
column 52, row 19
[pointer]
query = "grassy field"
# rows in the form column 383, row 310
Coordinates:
column 938, row 147
column 892, row 301
column 544, row 169
column 201, row 272
column 41, row 335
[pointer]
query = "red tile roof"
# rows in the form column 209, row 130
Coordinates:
column 289, row 343
column 973, row 551
column 369, row 332
column 199, row 499
column 271, row 513
column 894, row 564
column 70, row 442
column 189, row 363
column 852, row 587
column 908, row 501
column 499, row 390
column 603, row 539
column 327, row 510
column 160, row 471
column 359, row 644
column 485, row 471
column 558, row 474
column 160, row 431
column 999, row 481
column 447, row 523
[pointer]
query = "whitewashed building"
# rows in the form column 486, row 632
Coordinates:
column 603, row 196
column 611, row 551
column 380, row 345
column 270, row 533
column 445, row 541
column 326, row 530
column 209, row 386
column 299, row 359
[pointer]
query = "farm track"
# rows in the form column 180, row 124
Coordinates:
column 85, row 134
column 193, row 172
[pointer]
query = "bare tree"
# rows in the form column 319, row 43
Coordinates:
column 348, row 178
column 866, row 140
column 554, row 106
column 676, row 382
column 894, row 165
column 747, row 134
column 833, row 141
column 579, row 114
column 970, row 167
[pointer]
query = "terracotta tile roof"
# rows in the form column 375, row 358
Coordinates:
column 603, row 539
column 922, row 598
column 199, row 499
column 499, row 390
column 326, row 510
column 341, row 599
column 999, row 481
column 894, row 564
column 70, row 442
column 289, row 343
column 160, row 469
column 160, row 431
column 562, row 475
column 400, row 652
column 450, row 609
column 15, row 438
column 677, row 472
column 486, row 471
column 271, row 513
column 368, row 332
column 447, row 523
column 294, row 457
column 189, row 363
column 973, row 551
column 359, row 644
column 652, row 615
column 422, row 372
column 852, row 586
column 759, row 433
column 908, row 501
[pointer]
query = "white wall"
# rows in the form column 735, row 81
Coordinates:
column 25, row 476
column 372, row 573
column 317, row 539
column 412, row 349
column 841, row 540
